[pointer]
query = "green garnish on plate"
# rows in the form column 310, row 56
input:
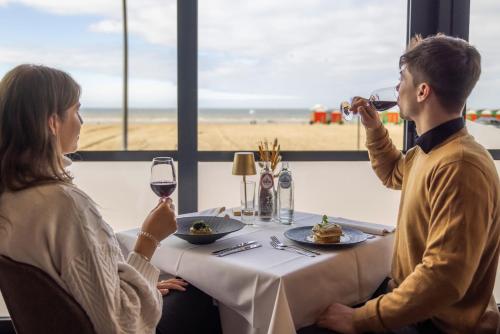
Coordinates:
column 324, row 220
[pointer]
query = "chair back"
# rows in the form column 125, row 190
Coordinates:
column 37, row 304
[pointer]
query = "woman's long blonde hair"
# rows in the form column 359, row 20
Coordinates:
column 29, row 154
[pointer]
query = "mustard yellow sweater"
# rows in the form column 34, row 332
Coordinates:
column 447, row 238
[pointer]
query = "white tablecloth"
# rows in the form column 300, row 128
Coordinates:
column 265, row 290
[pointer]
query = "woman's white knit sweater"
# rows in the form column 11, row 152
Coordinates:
column 58, row 229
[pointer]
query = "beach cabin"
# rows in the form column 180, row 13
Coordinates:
column 393, row 116
column 319, row 114
column 471, row 115
column 486, row 113
column 176, row 96
column 336, row 116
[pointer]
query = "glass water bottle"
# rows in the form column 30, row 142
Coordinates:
column 285, row 195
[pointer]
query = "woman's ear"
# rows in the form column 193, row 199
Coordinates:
column 53, row 124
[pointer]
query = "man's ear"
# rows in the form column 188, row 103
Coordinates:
column 423, row 91
column 53, row 124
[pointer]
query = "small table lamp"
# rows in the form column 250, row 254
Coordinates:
column 244, row 164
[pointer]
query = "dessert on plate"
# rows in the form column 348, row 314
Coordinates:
column 199, row 227
column 326, row 232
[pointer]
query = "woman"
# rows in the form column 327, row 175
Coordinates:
column 48, row 222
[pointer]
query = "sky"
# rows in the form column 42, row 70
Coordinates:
column 252, row 54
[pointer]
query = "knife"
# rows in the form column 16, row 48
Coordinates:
column 246, row 243
column 240, row 249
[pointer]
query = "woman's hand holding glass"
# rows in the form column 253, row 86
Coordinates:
column 159, row 224
column 163, row 183
column 161, row 221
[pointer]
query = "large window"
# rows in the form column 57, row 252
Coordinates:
column 270, row 69
column 86, row 40
column 248, row 71
column 483, row 114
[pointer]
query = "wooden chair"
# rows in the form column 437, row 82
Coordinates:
column 37, row 304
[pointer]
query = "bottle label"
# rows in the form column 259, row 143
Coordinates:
column 285, row 181
column 266, row 205
column 266, row 181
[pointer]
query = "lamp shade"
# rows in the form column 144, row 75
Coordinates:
column 244, row 163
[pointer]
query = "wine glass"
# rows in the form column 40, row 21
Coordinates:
column 163, row 179
column 381, row 99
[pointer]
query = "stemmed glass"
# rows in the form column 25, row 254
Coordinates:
column 163, row 179
column 381, row 99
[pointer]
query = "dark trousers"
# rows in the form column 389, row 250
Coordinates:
column 424, row 327
column 189, row 312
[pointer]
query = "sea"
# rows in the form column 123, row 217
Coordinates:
column 205, row 115
column 215, row 115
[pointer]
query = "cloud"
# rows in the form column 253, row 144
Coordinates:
column 208, row 94
column 105, row 91
column 154, row 93
column 62, row 7
column 249, row 49
column 66, row 59
column 142, row 65
column 107, row 26
column 483, row 34
column 316, row 51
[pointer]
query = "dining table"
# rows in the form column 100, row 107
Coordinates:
column 271, row 291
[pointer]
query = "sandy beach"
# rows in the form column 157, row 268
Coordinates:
column 230, row 137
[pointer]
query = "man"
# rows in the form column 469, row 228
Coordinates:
column 448, row 234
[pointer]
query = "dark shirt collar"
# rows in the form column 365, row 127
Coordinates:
column 439, row 134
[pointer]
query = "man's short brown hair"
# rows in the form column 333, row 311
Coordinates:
column 450, row 65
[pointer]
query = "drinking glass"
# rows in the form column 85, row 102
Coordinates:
column 247, row 190
column 381, row 99
column 163, row 179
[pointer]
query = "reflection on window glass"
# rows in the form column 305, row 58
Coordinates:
column 483, row 106
column 281, row 68
column 86, row 40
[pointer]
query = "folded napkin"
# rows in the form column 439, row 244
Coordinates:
column 207, row 212
column 213, row 211
column 371, row 228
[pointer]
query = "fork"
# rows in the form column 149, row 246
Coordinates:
column 279, row 243
column 275, row 245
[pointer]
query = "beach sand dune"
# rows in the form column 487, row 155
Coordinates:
column 232, row 137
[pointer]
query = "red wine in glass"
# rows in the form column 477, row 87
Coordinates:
column 163, row 189
column 163, row 180
column 381, row 99
column 384, row 105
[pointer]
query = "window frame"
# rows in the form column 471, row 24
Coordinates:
column 425, row 17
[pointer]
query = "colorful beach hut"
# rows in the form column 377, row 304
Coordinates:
column 319, row 114
column 336, row 116
column 471, row 115
column 393, row 116
column 486, row 113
